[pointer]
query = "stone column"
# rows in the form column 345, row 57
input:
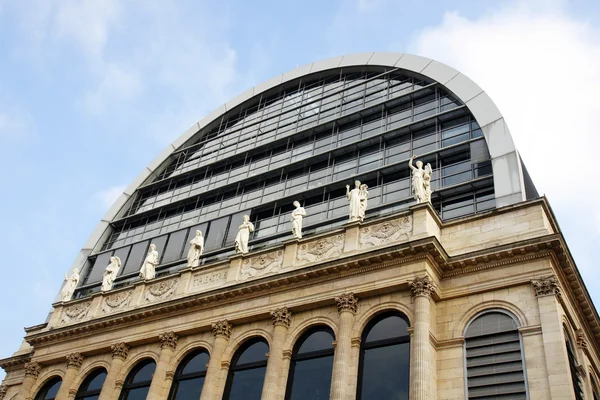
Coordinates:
column 282, row 318
column 213, row 384
column 347, row 304
column 32, row 371
column 160, row 384
column 74, row 361
column 422, row 366
column 120, row 351
column 547, row 291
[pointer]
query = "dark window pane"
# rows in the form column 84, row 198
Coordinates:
column 99, row 266
column 236, row 221
column 122, row 253
column 216, row 234
column 189, row 389
column 255, row 352
column 192, row 233
column 388, row 328
column 160, row 244
column 312, row 378
column 196, row 364
column 137, row 394
column 134, row 262
column 145, row 373
column 48, row 392
column 385, row 372
column 174, row 246
column 247, row 384
column 320, row 340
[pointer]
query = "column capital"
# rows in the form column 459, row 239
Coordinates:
column 120, row 350
column 222, row 328
column 546, row 286
column 282, row 316
column 347, row 302
column 421, row 286
column 168, row 340
column 33, row 369
column 74, row 360
column 3, row 390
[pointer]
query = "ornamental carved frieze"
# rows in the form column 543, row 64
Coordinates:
column 116, row 302
column 421, row 286
column 222, row 328
column 320, row 250
column 168, row 340
column 546, row 286
column 282, row 316
column 201, row 280
column 581, row 342
column 385, row 232
column 120, row 350
column 33, row 369
column 347, row 302
column 74, row 360
column 161, row 291
column 3, row 390
column 75, row 313
column 261, row 265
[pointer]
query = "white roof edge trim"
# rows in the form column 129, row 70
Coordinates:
column 508, row 176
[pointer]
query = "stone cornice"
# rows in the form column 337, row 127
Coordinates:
column 15, row 362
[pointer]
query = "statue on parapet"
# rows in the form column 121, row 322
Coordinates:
column 70, row 285
column 148, row 270
column 196, row 250
column 297, row 216
column 110, row 273
column 421, row 180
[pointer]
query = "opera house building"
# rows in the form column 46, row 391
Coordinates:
column 361, row 227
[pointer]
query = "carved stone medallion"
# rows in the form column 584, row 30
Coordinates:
column 161, row 291
column 385, row 232
column 75, row 313
column 322, row 249
column 261, row 265
column 116, row 302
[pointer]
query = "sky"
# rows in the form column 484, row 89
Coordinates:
column 92, row 90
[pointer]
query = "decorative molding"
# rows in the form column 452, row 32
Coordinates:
column 322, row 249
column 422, row 286
column 287, row 354
column 170, row 375
column 355, row 342
column 161, row 291
column 385, row 232
column 74, row 360
column 119, row 384
column 530, row 330
column 282, row 316
column 75, row 313
column 116, row 302
column 347, row 302
column 546, row 286
column 581, row 341
column 261, row 265
column 225, row 364
column 120, row 350
column 3, row 390
column 200, row 280
column 33, row 369
column 168, row 340
column 222, row 328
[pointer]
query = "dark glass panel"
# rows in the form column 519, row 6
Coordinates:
column 192, row 233
column 390, row 327
column 49, row 390
column 189, row 389
column 253, row 353
column 174, row 246
column 196, row 364
column 99, row 266
column 145, row 373
column 385, row 372
column 137, row 394
column 247, row 384
column 160, row 244
column 216, row 234
column 236, row 221
column 312, row 379
column 122, row 253
column 320, row 340
column 136, row 256
column 97, row 382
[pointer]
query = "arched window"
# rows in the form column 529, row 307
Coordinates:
column 311, row 366
column 247, row 372
column 494, row 358
column 189, row 377
column 575, row 378
column 595, row 388
column 384, row 358
column 49, row 390
column 92, row 385
column 138, row 381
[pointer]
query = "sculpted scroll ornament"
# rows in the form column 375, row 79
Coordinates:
column 161, row 291
column 76, row 312
column 282, row 316
column 422, row 286
column 168, row 340
column 120, row 350
column 545, row 286
column 261, row 265
column 116, row 302
column 222, row 328
column 386, row 232
column 347, row 302
column 321, row 249
column 33, row 369
column 74, row 360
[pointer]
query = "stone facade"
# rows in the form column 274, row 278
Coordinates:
column 440, row 275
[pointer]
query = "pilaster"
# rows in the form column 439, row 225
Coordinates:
column 32, row 372
column 74, row 361
column 213, row 384
column 422, row 364
column 282, row 318
column 160, row 382
column 347, row 305
column 109, row 391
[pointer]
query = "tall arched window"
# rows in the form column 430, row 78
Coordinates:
column 92, row 385
column 189, row 377
column 138, row 381
column 247, row 371
column 49, row 390
column 494, row 358
column 575, row 378
column 384, row 358
column 311, row 366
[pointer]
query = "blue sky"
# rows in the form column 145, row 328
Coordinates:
column 92, row 90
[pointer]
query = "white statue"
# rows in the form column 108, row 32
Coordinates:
column 421, row 180
column 70, row 285
column 297, row 215
column 243, row 235
column 110, row 273
column 148, row 270
column 358, row 201
column 196, row 250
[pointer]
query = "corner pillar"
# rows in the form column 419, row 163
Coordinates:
column 422, row 365
column 120, row 351
column 347, row 305
column 32, row 371
column 160, row 382
column 213, row 384
column 282, row 318
column 74, row 361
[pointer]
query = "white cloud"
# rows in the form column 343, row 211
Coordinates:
column 107, row 197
